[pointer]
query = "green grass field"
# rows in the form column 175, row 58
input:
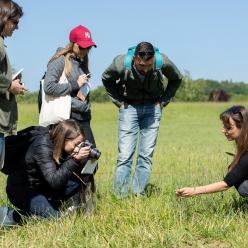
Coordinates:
column 190, row 151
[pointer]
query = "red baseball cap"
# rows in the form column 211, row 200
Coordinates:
column 82, row 36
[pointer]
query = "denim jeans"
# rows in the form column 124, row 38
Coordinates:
column 2, row 150
column 46, row 207
column 136, row 121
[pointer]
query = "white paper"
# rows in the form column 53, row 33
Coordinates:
column 17, row 73
column 85, row 89
column 3, row 155
column 89, row 166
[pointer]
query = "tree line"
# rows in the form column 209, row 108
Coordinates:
column 190, row 91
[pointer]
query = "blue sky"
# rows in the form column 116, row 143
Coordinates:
column 207, row 38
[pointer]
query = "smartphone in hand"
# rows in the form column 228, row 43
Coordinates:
column 85, row 89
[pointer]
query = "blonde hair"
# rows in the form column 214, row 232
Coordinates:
column 67, row 53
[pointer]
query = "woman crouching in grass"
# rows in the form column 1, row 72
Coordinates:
column 235, row 127
column 51, row 176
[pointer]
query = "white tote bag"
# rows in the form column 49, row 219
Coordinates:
column 54, row 109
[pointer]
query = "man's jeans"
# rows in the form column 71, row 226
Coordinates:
column 134, row 121
column 2, row 150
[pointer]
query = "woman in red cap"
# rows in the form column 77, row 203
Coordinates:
column 73, row 61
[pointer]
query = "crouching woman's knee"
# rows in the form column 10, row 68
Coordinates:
column 243, row 189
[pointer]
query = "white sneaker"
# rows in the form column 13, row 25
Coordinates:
column 71, row 210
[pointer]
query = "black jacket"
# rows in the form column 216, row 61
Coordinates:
column 133, row 89
column 43, row 173
column 239, row 173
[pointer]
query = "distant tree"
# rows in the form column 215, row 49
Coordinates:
column 30, row 97
column 190, row 91
column 99, row 95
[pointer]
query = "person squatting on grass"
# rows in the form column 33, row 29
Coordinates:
column 74, row 60
column 10, row 13
column 235, row 128
column 140, row 98
column 52, row 175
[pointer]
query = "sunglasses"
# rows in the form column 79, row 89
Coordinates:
column 147, row 54
column 15, row 22
column 81, row 48
column 236, row 110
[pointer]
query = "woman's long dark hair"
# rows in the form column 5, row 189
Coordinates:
column 239, row 114
column 8, row 10
column 64, row 131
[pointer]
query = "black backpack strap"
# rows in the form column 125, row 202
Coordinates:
column 16, row 147
column 40, row 92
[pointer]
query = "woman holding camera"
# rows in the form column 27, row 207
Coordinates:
column 235, row 128
column 73, row 61
column 54, row 162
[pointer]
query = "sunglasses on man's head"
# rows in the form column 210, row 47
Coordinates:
column 147, row 54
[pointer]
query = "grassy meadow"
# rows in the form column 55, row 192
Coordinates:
column 190, row 151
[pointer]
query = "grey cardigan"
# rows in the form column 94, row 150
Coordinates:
column 8, row 105
column 80, row 110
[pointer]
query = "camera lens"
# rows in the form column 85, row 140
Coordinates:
column 94, row 153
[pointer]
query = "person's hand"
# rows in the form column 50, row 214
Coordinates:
column 82, row 79
column 81, row 153
column 186, row 192
column 81, row 96
column 17, row 88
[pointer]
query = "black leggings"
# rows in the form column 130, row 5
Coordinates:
column 31, row 202
column 47, row 205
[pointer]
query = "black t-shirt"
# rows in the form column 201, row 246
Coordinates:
column 239, row 173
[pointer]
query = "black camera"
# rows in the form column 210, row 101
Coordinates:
column 94, row 153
